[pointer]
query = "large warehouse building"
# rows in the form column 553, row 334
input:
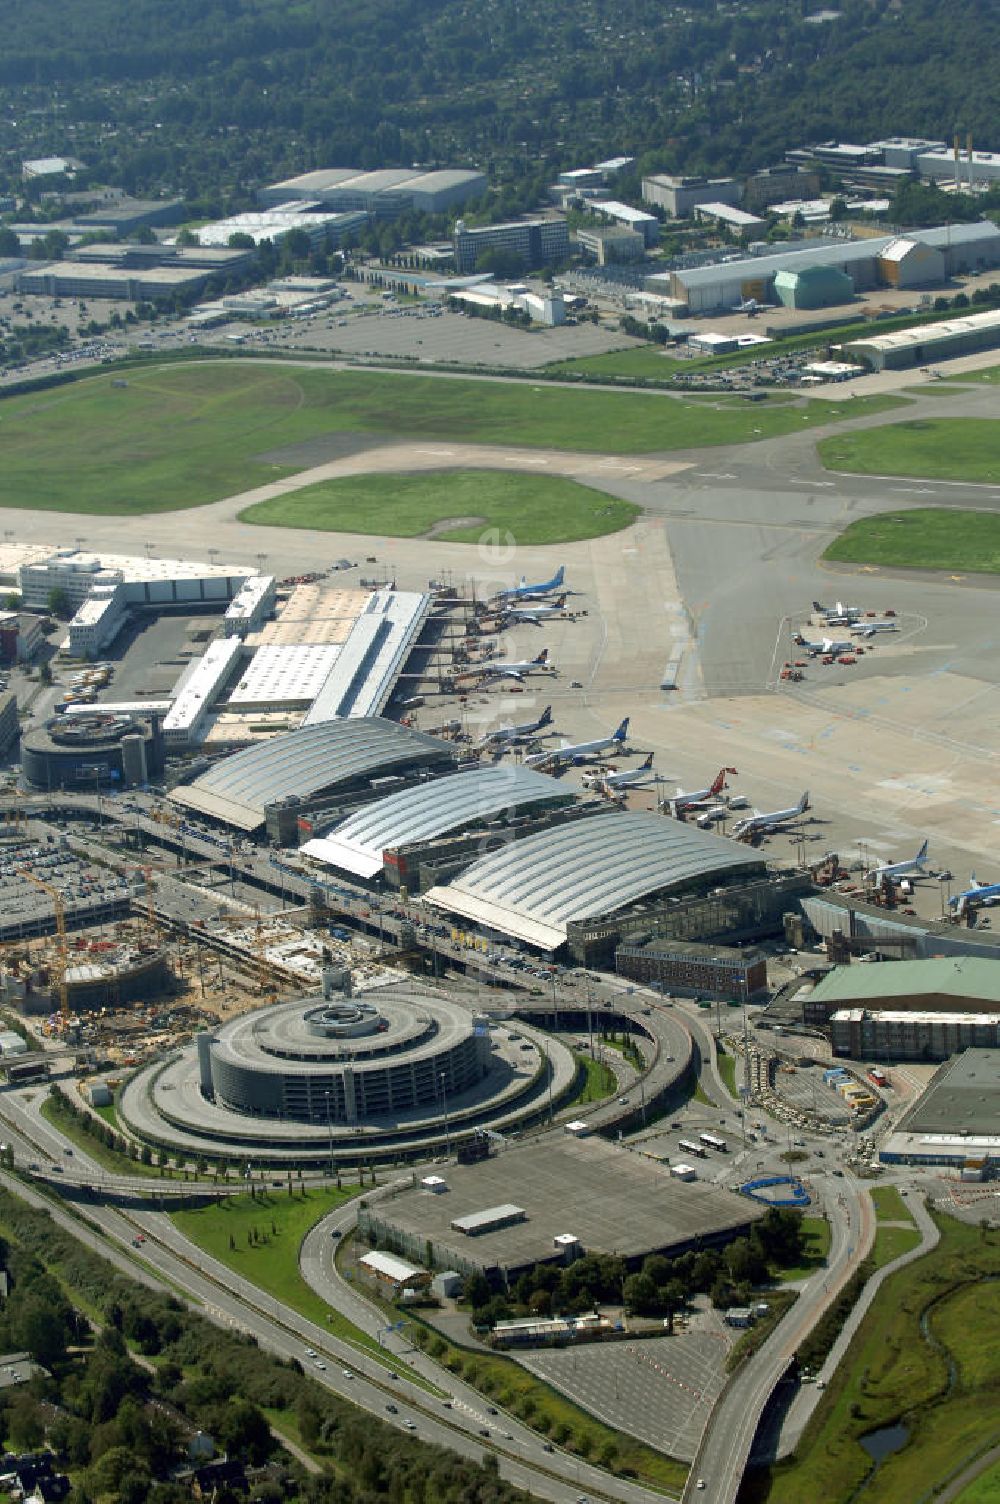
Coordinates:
column 925, row 343
column 532, row 890
column 922, row 257
column 549, row 1202
column 377, row 836
column 956, row 1122
column 278, row 781
column 384, row 193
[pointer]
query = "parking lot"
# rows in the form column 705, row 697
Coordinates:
column 85, row 889
column 659, row 1389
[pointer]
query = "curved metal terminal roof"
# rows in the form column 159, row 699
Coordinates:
column 306, row 762
column 419, row 814
column 585, row 869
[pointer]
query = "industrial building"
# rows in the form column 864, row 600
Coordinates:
column 728, row 217
column 279, row 780
column 550, row 1202
column 97, row 750
column 200, row 687
column 925, row 343
column 132, row 273
column 728, row 282
column 945, row 984
column 894, row 1034
column 251, row 606
column 535, row 242
column 609, row 244
column 813, row 287
column 322, row 226
column 691, row 969
column 772, row 185
column 156, row 583
column 378, row 837
column 680, row 195
column 955, row 1122
column 586, row 869
column 393, row 1276
column 385, row 193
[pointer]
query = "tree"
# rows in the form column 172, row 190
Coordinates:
column 641, row 1294
column 57, row 602
column 24, row 1422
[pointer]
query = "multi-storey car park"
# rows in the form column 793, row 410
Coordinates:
column 399, row 1070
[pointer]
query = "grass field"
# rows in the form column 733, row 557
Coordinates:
column 816, row 1233
column 638, row 360
column 727, row 1069
column 925, row 538
column 896, row 1372
column 929, row 448
column 177, row 436
column 985, row 1489
column 599, row 1080
column 261, row 1239
column 109, row 1159
column 889, row 1204
column 890, row 1242
column 531, row 508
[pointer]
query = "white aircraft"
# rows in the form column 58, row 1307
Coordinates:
column 682, row 800
column 572, row 752
column 889, row 871
column 825, row 645
column 632, row 778
column 535, row 615
column 503, row 735
column 526, row 592
column 869, row 628
column 495, row 670
column 838, row 615
column 758, row 822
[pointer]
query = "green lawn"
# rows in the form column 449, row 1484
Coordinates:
column 599, row 1081
column 278, row 1222
column 638, row 360
column 892, row 1372
column 182, row 435
column 727, row 1069
column 529, row 508
column 890, row 1242
column 889, row 1204
column 985, row 1489
column 990, row 374
column 816, row 1233
column 929, row 448
column 925, row 538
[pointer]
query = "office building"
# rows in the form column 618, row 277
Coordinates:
column 680, row 195
column 692, row 969
column 534, row 242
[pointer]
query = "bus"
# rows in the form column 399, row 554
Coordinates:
column 713, row 1141
column 690, row 1148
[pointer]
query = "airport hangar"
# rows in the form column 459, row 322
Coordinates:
column 551, row 1201
column 403, row 835
column 273, row 784
column 590, row 881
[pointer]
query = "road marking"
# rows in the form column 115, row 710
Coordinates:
column 708, row 475
column 795, row 480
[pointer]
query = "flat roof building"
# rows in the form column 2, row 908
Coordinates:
column 932, row 986
column 276, row 223
column 638, row 220
column 680, row 195
column 508, row 1213
column 957, row 1117
column 534, row 242
column 905, row 1034
column 382, row 193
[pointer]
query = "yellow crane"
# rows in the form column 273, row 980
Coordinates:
column 59, row 909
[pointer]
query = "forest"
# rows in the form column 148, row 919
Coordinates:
column 209, row 98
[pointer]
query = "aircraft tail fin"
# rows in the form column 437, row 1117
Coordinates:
column 804, row 803
column 622, row 732
column 545, row 719
column 558, row 577
column 645, row 767
column 921, row 855
column 542, row 658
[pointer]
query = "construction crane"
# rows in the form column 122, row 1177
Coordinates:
column 59, row 909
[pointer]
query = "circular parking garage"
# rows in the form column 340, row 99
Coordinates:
column 399, row 1072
